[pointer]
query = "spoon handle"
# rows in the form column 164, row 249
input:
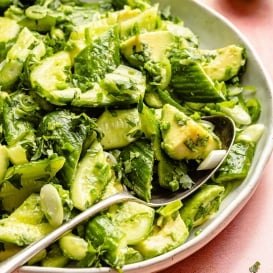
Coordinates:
column 28, row 252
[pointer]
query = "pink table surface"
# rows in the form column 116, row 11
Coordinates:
column 249, row 237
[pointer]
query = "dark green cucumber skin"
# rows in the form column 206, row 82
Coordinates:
column 107, row 239
column 237, row 163
column 190, row 83
column 139, row 177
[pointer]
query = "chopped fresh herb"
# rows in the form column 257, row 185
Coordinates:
column 255, row 267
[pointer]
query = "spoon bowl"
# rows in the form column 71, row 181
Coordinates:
column 224, row 128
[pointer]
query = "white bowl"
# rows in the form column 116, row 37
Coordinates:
column 213, row 31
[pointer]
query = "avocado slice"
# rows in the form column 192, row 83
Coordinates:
column 156, row 42
column 173, row 233
column 223, row 63
column 184, row 138
column 149, row 50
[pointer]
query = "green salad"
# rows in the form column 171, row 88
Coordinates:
column 94, row 96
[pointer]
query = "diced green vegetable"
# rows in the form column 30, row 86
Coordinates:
column 125, row 122
column 125, row 85
column 172, row 175
column 135, row 220
column 170, row 208
column 237, row 163
column 42, row 169
column 73, row 246
column 91, row 177
column 191, row 83
column 11, row 196
column 184, row 138
column 172, row 234
column 25, row 45
column 254, row 109
column 65, row 133
column 9, row 30
column 133, row 256
column 20, row 113
column 202, row 205
column 25, row 225
column 224, row 63
column 50, row 78
column 137, row 160
column 22, row 180
column 108, row 240
column 55, row 257
column 150, row 128
column 17, row 154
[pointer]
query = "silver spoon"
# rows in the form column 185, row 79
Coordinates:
column 224, row 128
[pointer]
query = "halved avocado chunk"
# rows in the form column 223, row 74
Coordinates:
column 156, row 43
column 150, row 50
column 173, row 233
column 224, row 63
column 183, row 137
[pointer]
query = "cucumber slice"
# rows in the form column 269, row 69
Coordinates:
column 202, row 205
column 92, row 176
column 108, row 239
column 25, row 225
column 138, row 161
column 124, row 123
column 17, row 154
column 73, row 246
column 22, row 180
column 41, row 169
column 51, row 79
column 55, row 258
column 9, row 29
column 191, row 83
column 135, row 220
column 237, row 163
